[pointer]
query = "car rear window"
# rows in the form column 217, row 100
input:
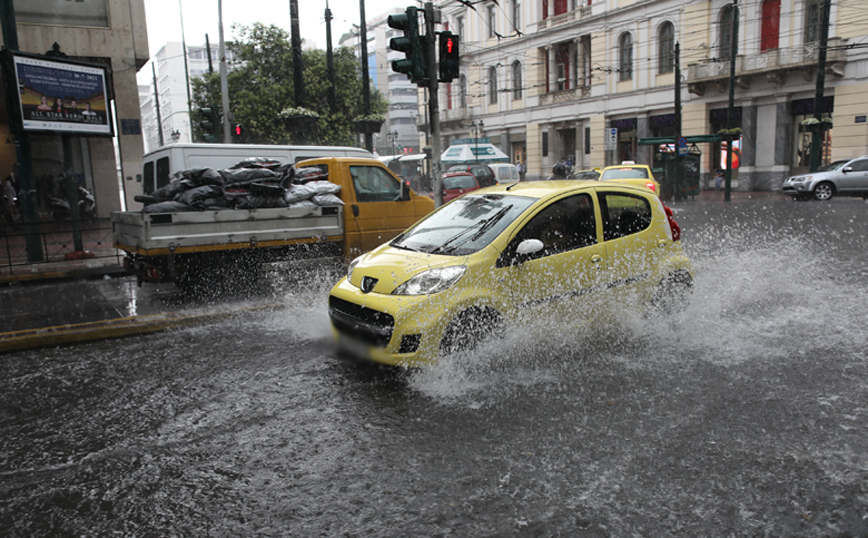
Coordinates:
column 625, row 173
column 459, row 182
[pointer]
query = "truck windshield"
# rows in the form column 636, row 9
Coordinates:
column 464, row 226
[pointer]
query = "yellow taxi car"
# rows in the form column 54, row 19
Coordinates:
column 630, row 173
column 492, row 256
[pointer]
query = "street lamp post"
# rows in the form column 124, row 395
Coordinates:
column 393, row 136
column 477, row 126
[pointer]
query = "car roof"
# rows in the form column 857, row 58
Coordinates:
column 544, row 189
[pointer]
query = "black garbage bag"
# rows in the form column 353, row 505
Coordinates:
column 221, row 203
column 243, row 176
column 145, row 199
column 310, row 173
column 253, row 201
column 167, row 207
column 258, row 162
column 168, row 192
column 195, row 197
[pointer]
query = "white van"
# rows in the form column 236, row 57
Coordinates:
column 504, row 172
column 160, row 164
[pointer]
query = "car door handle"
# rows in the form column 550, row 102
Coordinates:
column 596, row 259
column 662, row 243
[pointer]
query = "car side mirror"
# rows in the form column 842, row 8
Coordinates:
column 405, row 191
column 847, row 169
column 526, row 249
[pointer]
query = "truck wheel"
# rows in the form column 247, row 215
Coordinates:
column 469, row 329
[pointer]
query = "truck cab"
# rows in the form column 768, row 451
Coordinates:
column 377, row 205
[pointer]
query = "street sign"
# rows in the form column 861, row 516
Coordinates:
column 682, row 146
column 611, row 141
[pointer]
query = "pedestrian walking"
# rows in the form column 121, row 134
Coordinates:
column 718, row 179
column 10, row 211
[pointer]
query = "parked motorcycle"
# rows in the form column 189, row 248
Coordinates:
column 86, row 206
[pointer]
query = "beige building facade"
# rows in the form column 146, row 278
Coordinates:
column 111, row 33
column 550, row 79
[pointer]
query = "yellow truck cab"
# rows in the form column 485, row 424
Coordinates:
column 377, row 205
column 192, row 247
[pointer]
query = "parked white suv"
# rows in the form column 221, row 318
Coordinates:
column 844, row 178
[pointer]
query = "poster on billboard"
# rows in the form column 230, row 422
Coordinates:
column 62, row 96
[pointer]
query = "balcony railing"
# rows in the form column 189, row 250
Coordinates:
column 582, row 12
column 564, row 96
column 772, row 63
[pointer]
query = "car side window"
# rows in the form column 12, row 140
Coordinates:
column 624, row 214
column 373, row 184
column 565, row 225
column 859, row 166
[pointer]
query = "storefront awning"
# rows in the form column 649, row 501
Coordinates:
column 472, row 151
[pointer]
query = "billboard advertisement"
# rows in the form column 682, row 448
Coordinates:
column 62, row 96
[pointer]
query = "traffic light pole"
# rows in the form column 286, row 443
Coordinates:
column 434, row 103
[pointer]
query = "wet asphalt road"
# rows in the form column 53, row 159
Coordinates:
column 744, row 416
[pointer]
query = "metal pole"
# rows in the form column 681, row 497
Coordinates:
column 733, row 51
column 157, row 106
column 679, row 169
column 366, row 77
column 431, row 40
column 224, row 82
column 186, row 67
column 21, row 139
column 817, row 138
column 330, row 61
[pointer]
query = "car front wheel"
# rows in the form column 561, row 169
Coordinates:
column 469, row 329
column 824, row 191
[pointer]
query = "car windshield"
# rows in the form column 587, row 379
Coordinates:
column 459, row 182
column 833, row 166
column 464, row 226
column 625, row 173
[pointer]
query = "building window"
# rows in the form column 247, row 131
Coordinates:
column 492, row 21
column 725, row 39
column 586, row 60
column 516, row 80
column 516, row 14
column 492, row 85
column 462, row 81
column 771, row 25
column 625, row 46
column 587, row 140
column 460, row 25
column 545, row 144
column 812, row 21
column 666, row 52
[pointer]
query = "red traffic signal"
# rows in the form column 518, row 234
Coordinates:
column 449, row 57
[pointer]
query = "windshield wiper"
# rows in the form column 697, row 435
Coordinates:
column 483, row 225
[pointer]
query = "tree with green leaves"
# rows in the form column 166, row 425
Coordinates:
column 261, row 86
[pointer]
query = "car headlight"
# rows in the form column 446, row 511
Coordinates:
column 431, row 281
column 352, row 266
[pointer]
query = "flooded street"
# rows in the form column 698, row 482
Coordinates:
column 743, row 416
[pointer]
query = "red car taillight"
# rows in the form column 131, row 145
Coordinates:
column 650, row 186
column 676, row 229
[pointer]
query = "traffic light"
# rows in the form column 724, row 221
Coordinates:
column 415, row 65
column 448, row 59
column 237, row 132
column 209, row 123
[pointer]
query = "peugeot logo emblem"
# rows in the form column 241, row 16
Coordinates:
column 368, row 284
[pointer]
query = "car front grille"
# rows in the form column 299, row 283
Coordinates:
column 365, row 324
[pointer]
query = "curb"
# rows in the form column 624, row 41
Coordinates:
column 117, row 328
